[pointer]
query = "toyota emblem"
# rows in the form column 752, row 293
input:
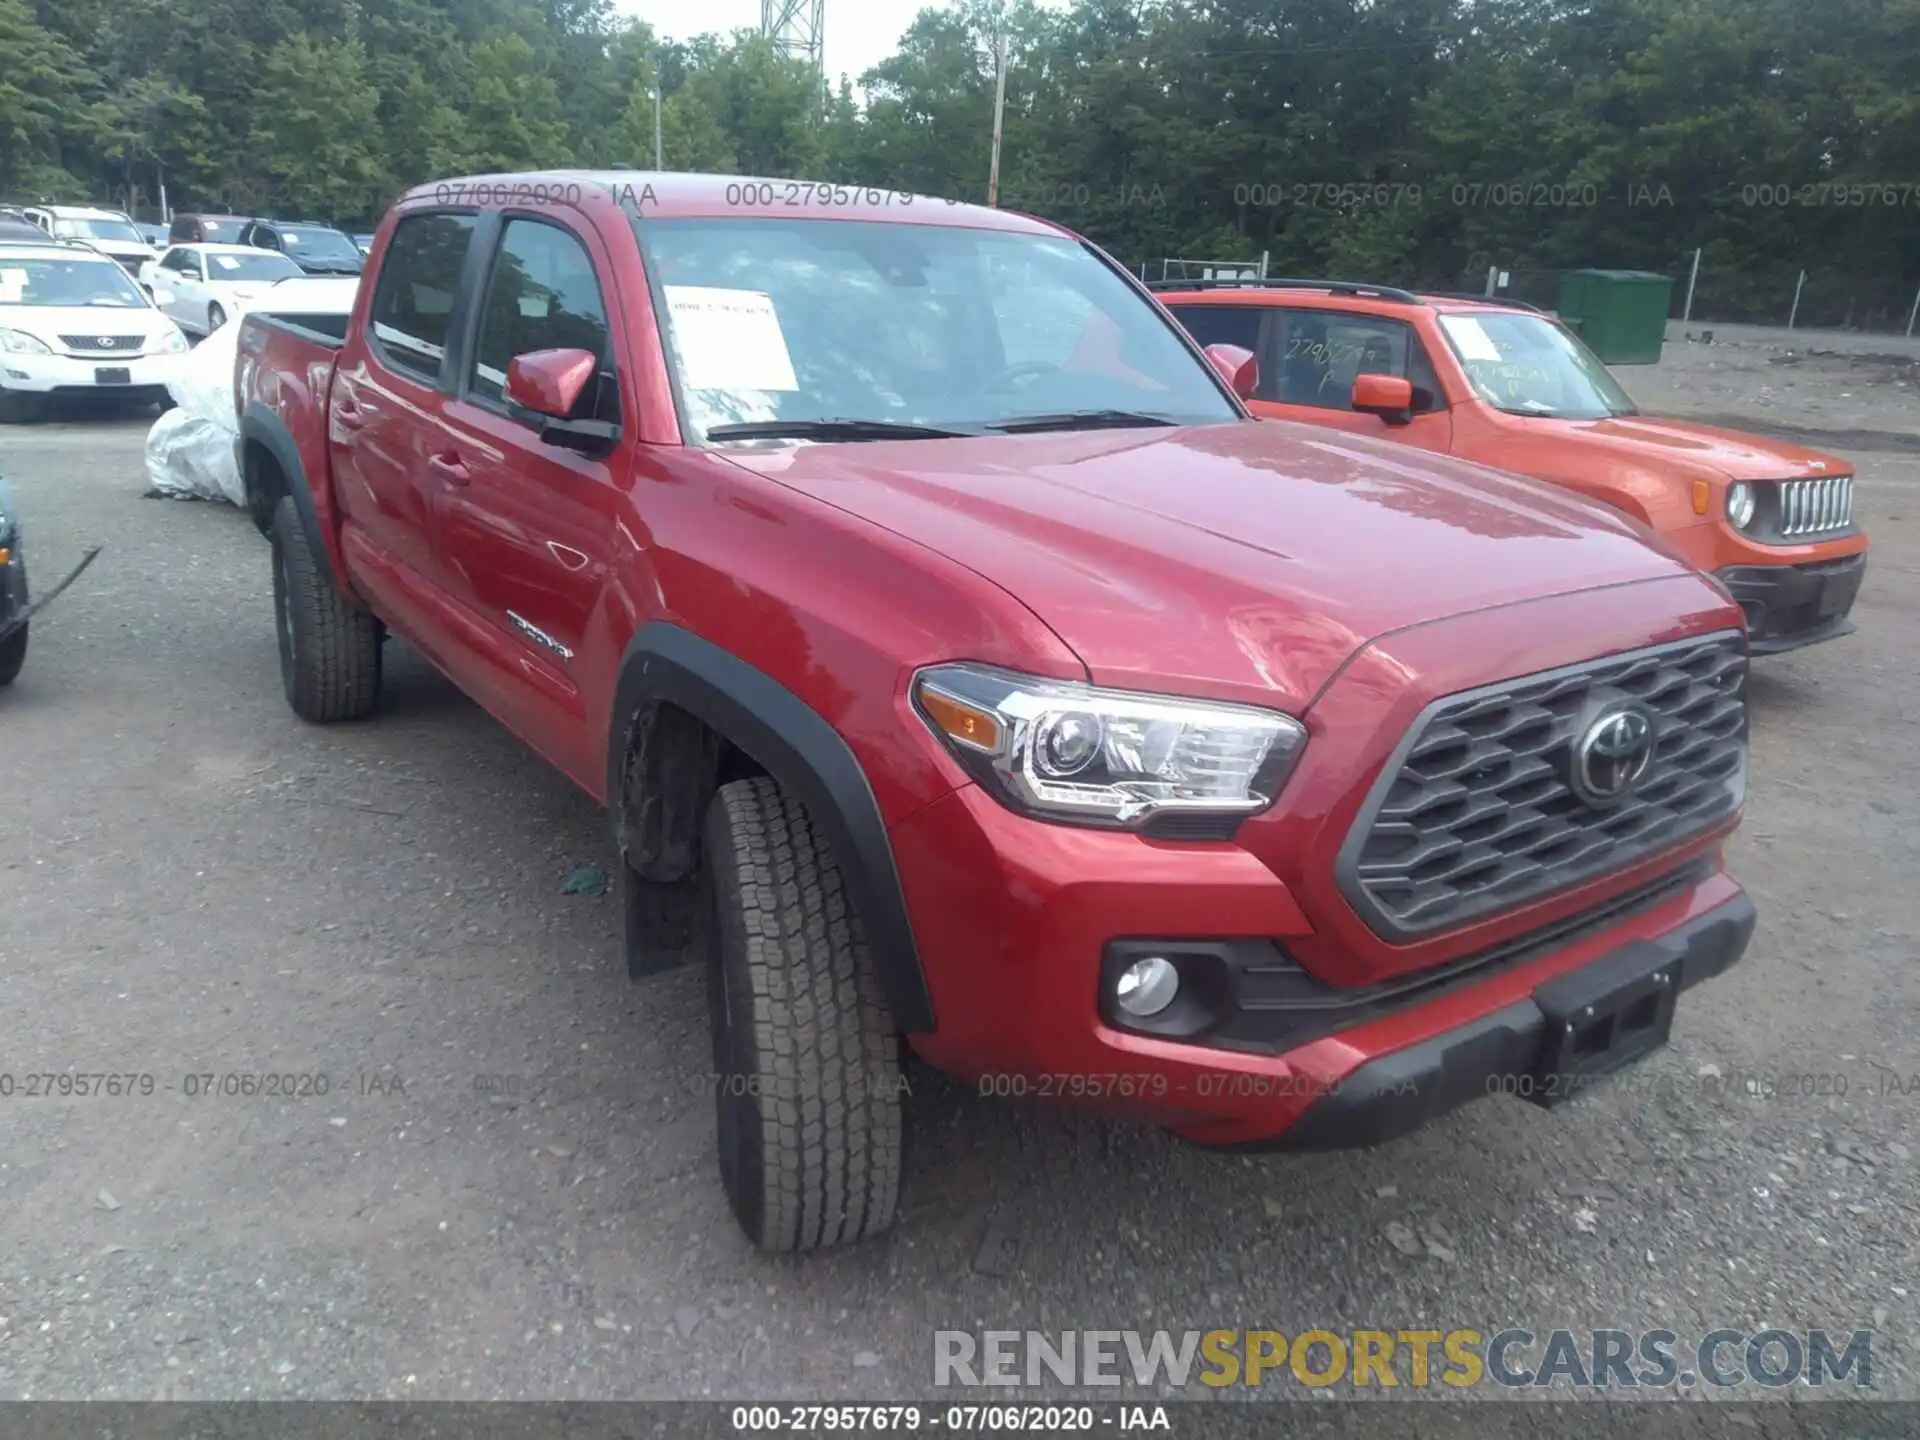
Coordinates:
column 1613, row 754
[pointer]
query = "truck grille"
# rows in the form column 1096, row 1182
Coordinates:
column 1476, row 811
column 101, row 344
column 1808, row 507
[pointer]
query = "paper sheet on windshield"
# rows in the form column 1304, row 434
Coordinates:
column 1472, row 341
column 13, row 284
column 728, row 339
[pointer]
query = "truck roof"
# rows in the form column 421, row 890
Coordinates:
column 648, row 193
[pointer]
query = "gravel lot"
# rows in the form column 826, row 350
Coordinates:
column 509, row 1190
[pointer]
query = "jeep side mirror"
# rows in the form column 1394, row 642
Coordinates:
column 549, row 382
column 1237, row 366
column 1388, row 396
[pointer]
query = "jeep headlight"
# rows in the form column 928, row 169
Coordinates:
column 18, row 342
column 1740, row 505
column 1063, row 751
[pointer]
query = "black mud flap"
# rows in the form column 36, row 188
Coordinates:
column 35, row 607
column 663, row 929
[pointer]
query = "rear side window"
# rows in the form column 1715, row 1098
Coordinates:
column 1221, row 324
column 542, row 294
column 413, row 303
column 1312, row 356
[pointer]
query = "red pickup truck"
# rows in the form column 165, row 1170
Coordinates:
column 962, row 666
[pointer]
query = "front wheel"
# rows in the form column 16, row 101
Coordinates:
column 216, row 317
column 806, row 1061
column 329, row 651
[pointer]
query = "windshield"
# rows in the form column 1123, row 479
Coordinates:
column 67, row 282
column 264, row 266
column 776, row 320
column 226, row 230
column 96, row 230
column 1528, row 365
column 314, row 243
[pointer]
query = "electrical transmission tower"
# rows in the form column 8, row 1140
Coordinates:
column 797, row 28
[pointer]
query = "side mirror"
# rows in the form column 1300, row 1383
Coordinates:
column 1388, row 396
column 546, row 385
column 1237, row 366
column 549, row 382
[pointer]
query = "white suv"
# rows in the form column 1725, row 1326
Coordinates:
column 73, row 322
column 111, row 232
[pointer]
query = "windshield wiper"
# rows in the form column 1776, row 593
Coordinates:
column 830, row 430
column 1080, row 420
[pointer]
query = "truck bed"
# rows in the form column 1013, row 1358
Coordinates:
column 321, row 328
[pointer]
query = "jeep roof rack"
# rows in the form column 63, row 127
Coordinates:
column 1332, row 287
column 1486, row 299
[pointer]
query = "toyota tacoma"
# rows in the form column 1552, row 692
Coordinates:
column 964, row 669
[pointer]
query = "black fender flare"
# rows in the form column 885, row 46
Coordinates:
column 260, row 426
column 805, row 754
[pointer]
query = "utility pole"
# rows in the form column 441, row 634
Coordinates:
column 1795, row 311
column 999, row 109
column 1692, row 276
column 657, row 84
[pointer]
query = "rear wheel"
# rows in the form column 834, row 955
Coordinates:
column 329, row 651
column 216, row 317
column 806, row 1060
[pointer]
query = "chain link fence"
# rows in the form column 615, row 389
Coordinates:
column 1781, row 293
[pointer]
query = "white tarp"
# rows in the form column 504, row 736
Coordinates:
column 190, row 448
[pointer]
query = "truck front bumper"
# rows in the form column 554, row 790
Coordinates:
column 1788, row 606
column 1021, row 926
column 1515, row 1050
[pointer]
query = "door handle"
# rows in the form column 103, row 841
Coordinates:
column 449, row 468
column 349, row 414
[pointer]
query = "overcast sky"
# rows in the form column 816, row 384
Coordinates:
column 860, row 33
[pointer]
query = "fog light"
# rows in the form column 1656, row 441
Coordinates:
column 1147, row 986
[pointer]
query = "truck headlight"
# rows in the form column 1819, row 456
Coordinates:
column 18, row 342
column 1740, row 505
column 1063, row 751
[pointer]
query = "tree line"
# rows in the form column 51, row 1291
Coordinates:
column 1417, row 141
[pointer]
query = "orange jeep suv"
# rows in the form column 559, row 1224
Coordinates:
column 1506, row 385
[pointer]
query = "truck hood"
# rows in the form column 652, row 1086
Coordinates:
column 1729, row 453
column 1239, row 561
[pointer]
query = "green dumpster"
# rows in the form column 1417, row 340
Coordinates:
column 1621, row 314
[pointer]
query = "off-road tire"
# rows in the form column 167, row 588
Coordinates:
column 329, row 651
column 806, row 1061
